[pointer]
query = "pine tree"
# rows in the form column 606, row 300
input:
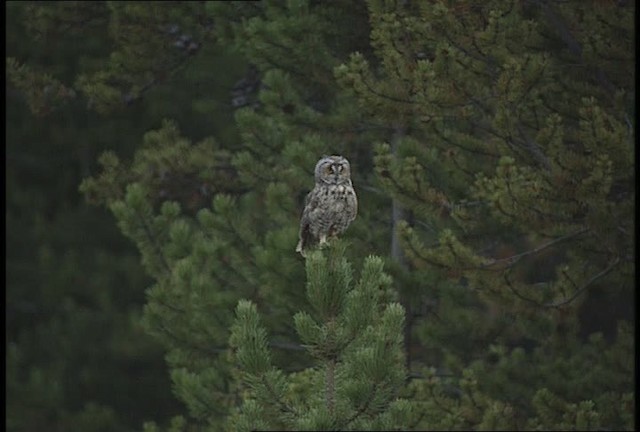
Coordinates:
column 74, row 285
column 515, row 172
column 240, row 247
column 77, row 355
column 196, row 285
column 488, row 161
column 354, row 335
column 491, row 147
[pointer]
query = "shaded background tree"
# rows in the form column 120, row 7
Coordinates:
column 491, row 147
column 77, row 355
column 516, row 173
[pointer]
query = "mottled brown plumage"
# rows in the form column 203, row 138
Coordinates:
column 331, row 206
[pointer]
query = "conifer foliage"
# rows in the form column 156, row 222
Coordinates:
column 491, row 144
column 354, row 335
column 515, row 171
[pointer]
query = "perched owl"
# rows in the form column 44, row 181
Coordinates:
column 332, row 204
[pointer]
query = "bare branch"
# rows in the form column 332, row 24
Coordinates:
column 513, row 289
column 513, row 259
column 566, row 301
column 578, row 292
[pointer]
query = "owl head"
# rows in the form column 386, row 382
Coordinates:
column 333, row 170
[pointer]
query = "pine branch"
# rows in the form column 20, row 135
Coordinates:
column 287, row 346
column 397, row 212
column 576, row 293
column 442, row 407
column 471, row 150
column 181, row 342
column 384, row 96
column 572, row 44
column 418, row 253
column 505, row 276
column 363, row 408
column 284, row 407
column 534, row 149
column 330, row 388
column 513, row 259
column 170, row 306
column 397, row 215
column 151, row 238
column 579, row 291
column 271, row 59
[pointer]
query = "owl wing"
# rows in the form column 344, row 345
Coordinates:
column 352, row 205
column 311, row 202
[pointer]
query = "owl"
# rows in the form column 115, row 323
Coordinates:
column 332, row 204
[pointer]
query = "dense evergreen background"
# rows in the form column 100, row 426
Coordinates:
column 158, row 154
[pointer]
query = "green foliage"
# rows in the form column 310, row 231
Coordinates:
column 170, row 168
column 42, row 91
column 523, row 215
column 77, row 356
column 358, row 361
column 152, row 41
column 490, row 144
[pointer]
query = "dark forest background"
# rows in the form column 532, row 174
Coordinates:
column 157, row 158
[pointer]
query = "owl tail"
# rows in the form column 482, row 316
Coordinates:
column 300, row 248
column 305, row 238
